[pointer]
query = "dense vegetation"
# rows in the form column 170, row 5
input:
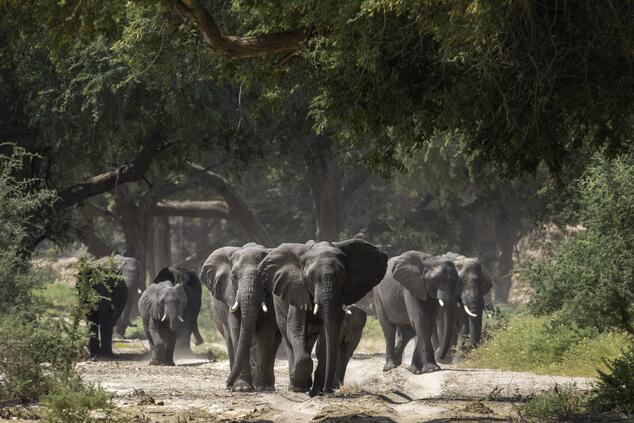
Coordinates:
column 167, row 129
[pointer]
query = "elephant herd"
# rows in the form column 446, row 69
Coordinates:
column 303, row 295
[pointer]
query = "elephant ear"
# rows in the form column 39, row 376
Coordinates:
column 366, row 266
column 408, row 269
column 216, row 275
column 151, row 302
column 487, row 284
column 281, row 273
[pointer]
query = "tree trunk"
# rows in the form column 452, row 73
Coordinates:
column 324, row 185
column 507, row 238
column 160, row 246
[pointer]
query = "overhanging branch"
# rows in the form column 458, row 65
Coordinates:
column 203, row 209
column 237, row 47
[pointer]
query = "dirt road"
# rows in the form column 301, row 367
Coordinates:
column 194, row 391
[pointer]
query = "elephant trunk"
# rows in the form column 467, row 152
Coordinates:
column 449, row 316
column 249, row 299
column 475, row 323
column 332, row 310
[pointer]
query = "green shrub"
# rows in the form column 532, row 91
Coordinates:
column 590, row 278
column 545, row 345
column 560, row 403
column 73, row 401
column 615, row 389
column 34, row 354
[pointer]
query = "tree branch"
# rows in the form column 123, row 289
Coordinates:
column 239, row 209
column 204, row 209
column 98, row 184
column 237, row 47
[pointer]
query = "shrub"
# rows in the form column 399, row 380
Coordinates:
column 560, row 403
column 75, row 401
column 34, row 353
column 615, row 389
column 545, row 345
column 590, row 279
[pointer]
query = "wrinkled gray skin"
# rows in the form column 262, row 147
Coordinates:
column 407, row 304
column 349, row 338
column 133, row 276
column 102, row 318
column 473, row 285
column 193, row 289
column 251, row 334
column 162, row 306
column 310, row 284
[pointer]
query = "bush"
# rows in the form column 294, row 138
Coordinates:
column 590, row 279
column 75, row 401
column 35, row 353
column 561, row 403
column 615, row 389
column 545, row 345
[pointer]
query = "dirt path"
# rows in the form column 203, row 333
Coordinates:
column 194, row 391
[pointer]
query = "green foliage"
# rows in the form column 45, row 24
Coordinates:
column 36, row 352
column 93, row 279
column 560, row 403
column 590, row 278
column 20, row 201
column 615, row 388
column 60, row 299
column 545, row 345
column 73, row 401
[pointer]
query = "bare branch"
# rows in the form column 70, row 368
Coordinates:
column 238, row 47
column 204, row 209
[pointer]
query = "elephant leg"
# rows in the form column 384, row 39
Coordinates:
column 404, row 334
column 296, row 327
column 422, row 316
column 267, row 341
column 392, row 361
column 169, row 349
column 157, row 344
column 416, row 366
column 320, row 352
column 106, row 324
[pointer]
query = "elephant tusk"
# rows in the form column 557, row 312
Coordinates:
column 112, row 307
column 316, row 309
column 139, row 291
column 264, row 308
column 164, row 317
column 181, row 319
column 234, row 307
column 441, row 302
column 347, row 310
column 469, row 312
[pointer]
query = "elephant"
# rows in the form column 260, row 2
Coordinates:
column 107, row 309
column 407, row 303
column 473, row 285
column 240, row 307
column 311, row 284
column 193, row 289
column 162, row 306
column 349, row 338
column 133, row 276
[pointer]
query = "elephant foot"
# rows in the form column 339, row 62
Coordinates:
column 390, row 365
column 155, row 362
column 315, row 391
column 413, row 369
column 242, row 386
column 431, row 367
column 265, row 388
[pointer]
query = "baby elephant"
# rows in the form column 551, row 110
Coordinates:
column 161, row 307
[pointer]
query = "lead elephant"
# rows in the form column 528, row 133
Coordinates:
column 311, row 284
column 104, row 293
column 193, row 290
column 162, row 306
column 243, row 312
column 407, row 302
column 473, row 284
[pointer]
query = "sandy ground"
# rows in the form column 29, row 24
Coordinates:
column 195, row 391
